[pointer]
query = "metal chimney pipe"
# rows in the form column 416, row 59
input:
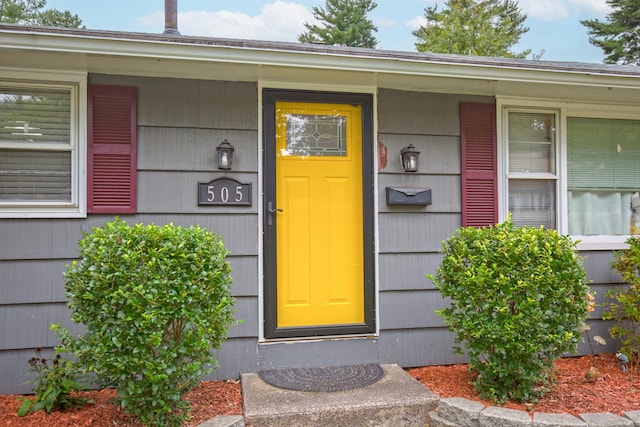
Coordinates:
column 171, row 17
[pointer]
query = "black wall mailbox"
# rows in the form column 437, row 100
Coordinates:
column 408, row 196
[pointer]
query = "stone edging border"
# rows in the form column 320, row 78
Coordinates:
column 457, row 411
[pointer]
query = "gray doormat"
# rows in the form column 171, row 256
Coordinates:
column 323, row 379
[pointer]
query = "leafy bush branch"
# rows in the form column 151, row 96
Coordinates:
column 156, row 302
column 517, row 302
column 624, row 305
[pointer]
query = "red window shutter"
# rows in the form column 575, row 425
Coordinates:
column 112, row 130
column 479, row 164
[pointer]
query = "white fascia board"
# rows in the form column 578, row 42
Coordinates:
column 390, row 65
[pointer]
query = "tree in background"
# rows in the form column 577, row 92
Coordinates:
column 475, row 28
column 343, row 23
column 619, row 37
column 30, row 12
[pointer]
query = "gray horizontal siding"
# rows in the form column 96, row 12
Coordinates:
column 194, row 149
column 238, row 232
column 410, row 309
column 236, row 356
column 198, row 104
column 597, row 264
column 244, row 274
column 601, row 279
column 179, row 103
column 598, row 327
column 421, row 113
column 13, row 370
column 32, row 281
column 415, row 232
column 39, row 238
column 177, row 192
column 416, row 336
column 410, row 237
column 445, row 192
column 180, row 123
column 435, row 346
column 438, row 154
column 600, row 290
column 407, row 271
column 58, row 239
column 247, row 313
column 411, row 333
column 418, row 347
column 28, row 325
column 42, row 281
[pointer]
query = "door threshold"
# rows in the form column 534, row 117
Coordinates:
column 318, row 338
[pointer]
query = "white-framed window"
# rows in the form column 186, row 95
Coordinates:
column 532, row 174
column 572, row 167
column 42, row 144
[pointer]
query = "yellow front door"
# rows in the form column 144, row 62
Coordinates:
column 319, row 221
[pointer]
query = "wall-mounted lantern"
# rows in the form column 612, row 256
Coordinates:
column 409, row 157
column 225, row 155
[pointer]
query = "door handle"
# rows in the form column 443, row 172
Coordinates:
column 271, row 209
column 270, row 212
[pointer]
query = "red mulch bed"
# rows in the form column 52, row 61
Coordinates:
column 614, row 392
column 209, row 399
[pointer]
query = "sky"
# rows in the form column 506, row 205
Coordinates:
column 555, row 28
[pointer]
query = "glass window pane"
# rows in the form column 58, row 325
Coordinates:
column 316, row 135
column 603, row 213
column 532, row 202
column 35, row 116
column 32, row 175
column 603, row 153
column 532, row 143
column 603, row 176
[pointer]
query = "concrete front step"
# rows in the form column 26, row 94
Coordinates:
column 396, row 400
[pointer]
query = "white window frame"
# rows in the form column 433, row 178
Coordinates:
column 532, row 176
column 565, row 110
column 76, row 84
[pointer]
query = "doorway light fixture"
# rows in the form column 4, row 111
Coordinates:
column 225, row 155
column 409, row 157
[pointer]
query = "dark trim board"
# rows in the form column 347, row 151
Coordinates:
column 269, row 99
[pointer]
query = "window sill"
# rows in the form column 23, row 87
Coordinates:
column 600, row 243
column 42, row 213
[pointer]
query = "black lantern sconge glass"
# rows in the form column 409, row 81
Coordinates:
column 225, row 155
column 409, row 157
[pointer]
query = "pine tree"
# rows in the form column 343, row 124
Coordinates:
column 30, row 12
column 343, row 23
column 475, row 28
column 619, row 37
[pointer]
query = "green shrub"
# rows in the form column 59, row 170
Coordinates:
column 517, row 302
column 155, row 301
column 54, row 385
column 624, row 306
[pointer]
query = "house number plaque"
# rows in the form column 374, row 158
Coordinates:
column 224, row 192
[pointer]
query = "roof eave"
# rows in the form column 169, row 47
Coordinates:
column 290, row 55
